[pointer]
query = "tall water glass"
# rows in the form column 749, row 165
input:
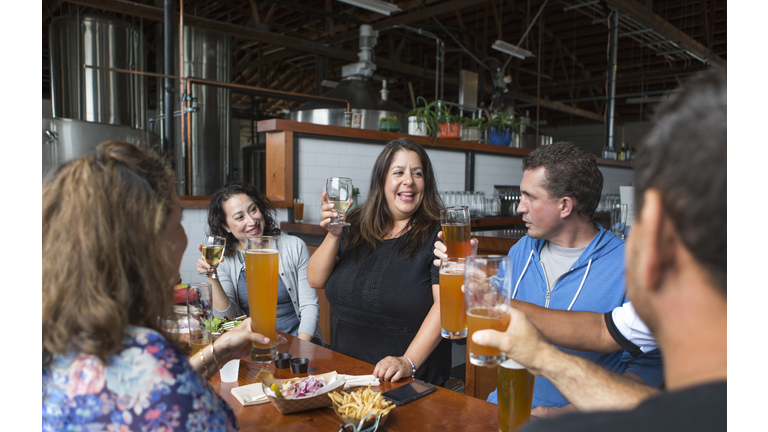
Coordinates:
column 213, row 250
column 619, row 220
column 515, row 393
column 339, row 193
column 456, row 231
column 487, row 284
column 199, row 315
column 453, row 314
column 261, row 273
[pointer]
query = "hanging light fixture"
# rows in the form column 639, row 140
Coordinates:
column 377, row 6
column 514, row 51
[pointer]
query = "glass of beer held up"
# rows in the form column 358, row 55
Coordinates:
column 456, row 231
column 261, row 273
column 487, row 283
column 453, row 314
column 515, row 391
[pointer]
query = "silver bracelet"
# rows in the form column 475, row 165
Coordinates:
column 413, row 368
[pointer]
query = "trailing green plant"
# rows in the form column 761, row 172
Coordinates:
column 426, row 112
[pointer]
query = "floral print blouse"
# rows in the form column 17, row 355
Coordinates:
column 148, row 384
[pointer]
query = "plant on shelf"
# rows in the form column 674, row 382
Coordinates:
column 449, row 124
column 471, row 128
column 389, row 124
column 422, row 120
column 502, row 125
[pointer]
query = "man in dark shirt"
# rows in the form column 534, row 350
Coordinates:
column 676, row 274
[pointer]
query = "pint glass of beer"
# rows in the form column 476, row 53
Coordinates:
column 487, row 284
column 456, row 231
column 453, row 314
column 515, row 390
column 261, row 273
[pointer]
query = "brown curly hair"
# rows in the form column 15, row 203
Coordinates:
column 102, row 266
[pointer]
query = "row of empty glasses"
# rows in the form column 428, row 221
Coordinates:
column 607, row 202
column 479, row 206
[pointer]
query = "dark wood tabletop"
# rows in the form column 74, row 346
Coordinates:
column 443, row 410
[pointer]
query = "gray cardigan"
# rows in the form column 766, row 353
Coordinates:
column 293, row 258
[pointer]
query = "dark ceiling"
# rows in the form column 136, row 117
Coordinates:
column 283, row 45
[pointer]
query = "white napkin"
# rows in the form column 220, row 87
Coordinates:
column 251, row 394
column 360, row 381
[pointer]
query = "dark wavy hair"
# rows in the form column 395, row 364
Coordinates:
column 103, row 265
column 217, row 216
column 685, row 158
column 372, row 219
column 571, row 172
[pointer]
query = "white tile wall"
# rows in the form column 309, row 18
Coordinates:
column 320, row 159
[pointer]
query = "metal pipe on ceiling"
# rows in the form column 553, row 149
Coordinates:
column 611, row 91
column 168, row 101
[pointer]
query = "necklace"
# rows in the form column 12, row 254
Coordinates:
column 391, row 233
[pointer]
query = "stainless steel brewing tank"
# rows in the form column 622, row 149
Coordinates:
column 93, row 95
column 207, row 55
column 363, row 99
column 67, row 139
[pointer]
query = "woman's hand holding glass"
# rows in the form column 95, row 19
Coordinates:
column 441, row 250
column 328, row 215
column 204, row 269
column 236, row 343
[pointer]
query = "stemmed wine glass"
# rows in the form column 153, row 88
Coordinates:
column 339, row 192
column 213, row 250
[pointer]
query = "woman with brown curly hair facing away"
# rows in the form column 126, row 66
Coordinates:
column 378, row 274
column 112, row 246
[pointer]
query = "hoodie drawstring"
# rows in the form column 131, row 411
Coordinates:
column 522, row 274
column 589, row 264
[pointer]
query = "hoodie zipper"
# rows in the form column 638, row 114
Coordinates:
column 549, row 289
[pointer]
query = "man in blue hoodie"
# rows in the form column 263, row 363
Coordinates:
column 569, row 262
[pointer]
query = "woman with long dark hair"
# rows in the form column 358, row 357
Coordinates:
column 378, row 274
column 239, row 211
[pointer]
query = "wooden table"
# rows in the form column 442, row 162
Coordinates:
column 443, row 410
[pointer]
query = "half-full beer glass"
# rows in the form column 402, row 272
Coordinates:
column 515, row 391
column 487, row 283
column 453, row 314
column 456, row 231
column 261, row 273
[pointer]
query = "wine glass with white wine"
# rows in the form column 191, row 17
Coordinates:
column 339, row 193
column 213, row 250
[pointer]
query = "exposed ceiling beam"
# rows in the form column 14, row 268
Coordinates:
column 656, row 23
column 557, row 106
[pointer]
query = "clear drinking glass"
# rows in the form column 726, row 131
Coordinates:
column 453, row 313
column 213, row 250
column 199, row 315
column 339, row 193
column 298, row 210
column 487, row 284
column 261, row 273
column 619, row 220
column 456, row 231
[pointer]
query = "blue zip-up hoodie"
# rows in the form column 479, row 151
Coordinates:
column 594, row 283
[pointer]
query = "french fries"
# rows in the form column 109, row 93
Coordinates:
column 357, row 405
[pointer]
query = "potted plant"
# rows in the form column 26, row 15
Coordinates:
column 355, row 194
column 449, row 125
column 501, row 126
column 471, row 128
column 422, row 120
column 389, row 124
